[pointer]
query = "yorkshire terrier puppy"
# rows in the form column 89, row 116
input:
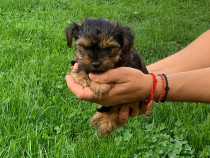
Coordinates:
column 102, row 45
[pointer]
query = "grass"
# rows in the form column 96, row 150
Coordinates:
column 40, row 117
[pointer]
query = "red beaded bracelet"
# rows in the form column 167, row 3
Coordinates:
column 163, row 88
column 149, row 102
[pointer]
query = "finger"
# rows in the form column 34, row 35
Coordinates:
column 123, row 115
column 135, row 110
column 114, row 75
column 75, row 67
column 143, row 109
column 81, row 93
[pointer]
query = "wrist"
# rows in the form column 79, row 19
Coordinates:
column 148, row 86
column 158, row 88
column 148, row 83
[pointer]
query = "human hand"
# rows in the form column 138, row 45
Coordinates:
column 128, row 85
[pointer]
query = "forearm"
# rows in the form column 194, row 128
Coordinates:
column 194, row 56
column 190, row 86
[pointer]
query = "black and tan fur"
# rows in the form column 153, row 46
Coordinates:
column 102, row 45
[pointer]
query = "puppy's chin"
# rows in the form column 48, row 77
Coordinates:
column 100, row 69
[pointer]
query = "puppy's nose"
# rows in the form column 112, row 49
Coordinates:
column 96, row 64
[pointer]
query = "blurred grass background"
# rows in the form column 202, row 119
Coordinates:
column 40, row 117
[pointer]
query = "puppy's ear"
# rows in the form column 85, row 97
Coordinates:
column 72, row 32
column 128, row 39
column 125, row 38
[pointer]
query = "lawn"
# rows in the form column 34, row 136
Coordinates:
column 40, row 117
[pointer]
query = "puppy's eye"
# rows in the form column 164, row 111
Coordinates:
column 111, row 55
column 108, row 49
column 86, row 48
column 81, row 54
column 83, row 47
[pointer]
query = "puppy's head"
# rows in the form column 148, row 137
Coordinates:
column 100, row 44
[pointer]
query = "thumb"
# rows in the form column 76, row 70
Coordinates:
column 114, row 75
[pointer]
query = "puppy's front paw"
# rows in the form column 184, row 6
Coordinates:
column 84, row 82
column 100, row 89
column 81, row 78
